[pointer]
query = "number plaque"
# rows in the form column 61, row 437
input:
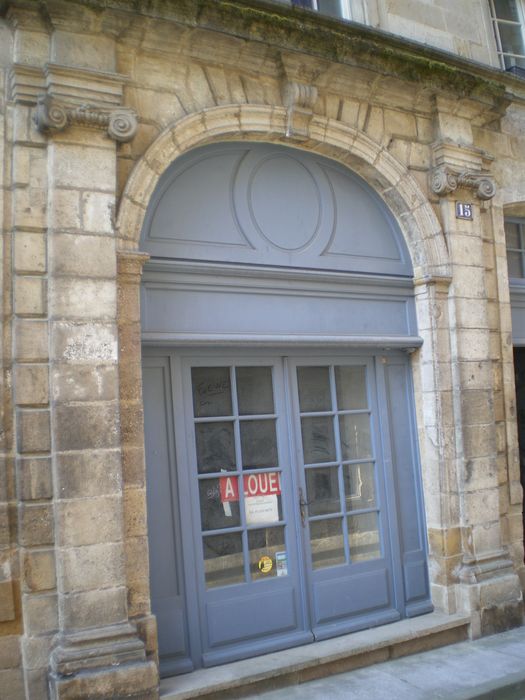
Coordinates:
column 464, row 211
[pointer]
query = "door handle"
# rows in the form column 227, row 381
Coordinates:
column 302, row 505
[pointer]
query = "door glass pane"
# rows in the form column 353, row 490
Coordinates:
column 215, row 447
column 211, row 391
column 314, row 389
column 223, row 560
column 322, row 488
column 258, row 444
column 359, row 486
column 355, row 436
column 350, row 383
column 327, row 543
column 254, row 390
column 219, row 500
column 268, row 557
column 363, row 537
column 318, row 439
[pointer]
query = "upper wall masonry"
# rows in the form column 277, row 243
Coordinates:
column 287, row 28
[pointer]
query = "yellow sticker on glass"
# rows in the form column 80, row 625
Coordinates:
column 265, row 565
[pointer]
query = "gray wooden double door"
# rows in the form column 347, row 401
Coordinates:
column 283, row 499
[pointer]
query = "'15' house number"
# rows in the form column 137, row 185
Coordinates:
column 463, row 211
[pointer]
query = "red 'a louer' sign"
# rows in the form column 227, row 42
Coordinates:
column 265, row 484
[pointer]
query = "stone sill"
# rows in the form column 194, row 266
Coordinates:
column 319, row 659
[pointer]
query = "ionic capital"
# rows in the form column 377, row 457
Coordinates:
column 444, row 180
column 52, row 115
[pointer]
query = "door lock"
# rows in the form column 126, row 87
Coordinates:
column 302, row 505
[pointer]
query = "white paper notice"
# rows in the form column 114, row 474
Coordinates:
column 261, row 509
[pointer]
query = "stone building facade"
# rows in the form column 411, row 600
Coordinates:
column 100, row 102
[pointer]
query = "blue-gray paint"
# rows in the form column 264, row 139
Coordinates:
column 213, row 204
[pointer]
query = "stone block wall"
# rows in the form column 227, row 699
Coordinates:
column 74, row 590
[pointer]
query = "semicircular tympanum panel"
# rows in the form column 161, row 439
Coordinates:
column 264, row 204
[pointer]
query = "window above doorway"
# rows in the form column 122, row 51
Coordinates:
column 508, row 21
column 515, row 243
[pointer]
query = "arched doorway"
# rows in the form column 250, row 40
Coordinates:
column 284, row 495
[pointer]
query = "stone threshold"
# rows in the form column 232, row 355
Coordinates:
column 319, row 659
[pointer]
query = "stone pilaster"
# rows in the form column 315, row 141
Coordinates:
column 69, row 413
column 129, row 268
column 488, row 586
column 433, row 387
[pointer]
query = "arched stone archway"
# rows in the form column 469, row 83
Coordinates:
column 415, row 216
column 352, row 148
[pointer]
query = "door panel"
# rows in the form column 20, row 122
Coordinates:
column 406, row 485
column 238, row 464
column 333, row 600
column 344, row 518
column 166, row 565
column 227, row 619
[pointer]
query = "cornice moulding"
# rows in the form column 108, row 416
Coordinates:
column 456, row 156
column 84, row 86
column 74, row 85
column 26, row 83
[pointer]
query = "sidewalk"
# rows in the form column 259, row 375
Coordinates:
column 492, row 668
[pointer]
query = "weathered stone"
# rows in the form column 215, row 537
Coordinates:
column 98, row 212
column 7, row 602
column 93, row 425
column 92, row 567
column 36, row 651
column 132, row 681
column 31, row 340
column 10, row 652
column 30, row 296
column 30, row 252
column 40, row 613
column 88, row 473
column 85, row 383
column 34, row 478
column 12, row 684
column 32, row 385
column 39, row 570
column 83, row 299
column 89, row 342
column 33, row 430
column 89, row 520
column 35, row 524
column 37, row 684
column 99, row 607
column 135, row 512
column 83, row 256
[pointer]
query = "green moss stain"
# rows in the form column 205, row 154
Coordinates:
column 343, row 43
